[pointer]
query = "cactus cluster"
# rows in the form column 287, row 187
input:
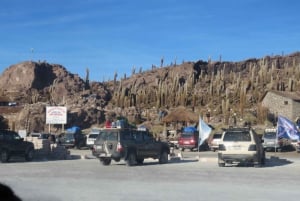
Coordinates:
column 226, row 87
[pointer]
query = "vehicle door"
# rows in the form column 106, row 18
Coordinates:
column 152, row 147
column 14, row 142
column 139, row 143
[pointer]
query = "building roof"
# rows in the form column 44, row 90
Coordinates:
column 295, row 95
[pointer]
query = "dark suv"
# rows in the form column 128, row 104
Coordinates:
column 11, row 144
column 72, row 140
column 131, row 145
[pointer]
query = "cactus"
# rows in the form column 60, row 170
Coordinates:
column 87, row 79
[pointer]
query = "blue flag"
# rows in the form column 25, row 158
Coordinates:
column 287, row 129
column 204, row 131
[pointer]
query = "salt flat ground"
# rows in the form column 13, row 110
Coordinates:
column 195, row 177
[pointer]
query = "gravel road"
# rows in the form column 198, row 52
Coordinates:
column 195, row 177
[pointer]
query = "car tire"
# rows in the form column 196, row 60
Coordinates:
column 29, row 154
column 182, row 149
column 4, row 156
column 131, row 159
column 220, row 162
column 140, row 161
column 105, row 161
column 163, row 158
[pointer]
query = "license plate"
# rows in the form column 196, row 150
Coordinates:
column 99, row 147
column 235, row 148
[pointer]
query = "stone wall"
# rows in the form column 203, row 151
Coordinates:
column 46, row 150
column 281, row 105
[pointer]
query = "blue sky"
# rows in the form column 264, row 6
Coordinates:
column 109, row 36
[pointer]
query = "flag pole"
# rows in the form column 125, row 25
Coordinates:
column 199, row 136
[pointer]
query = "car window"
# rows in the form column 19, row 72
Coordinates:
column 147, row 136
column 237, row 136
column 270, row 135
column 8, row 136
column 15, row 136
column 187, row 135
column 69, row 136
column 217, row 136
column 113, row 136
column 93, row 135
column 138, row 136
column 126, row 135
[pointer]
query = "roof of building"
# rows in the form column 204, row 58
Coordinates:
column 295, row 95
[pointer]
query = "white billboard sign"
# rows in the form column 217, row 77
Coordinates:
column 56, row 115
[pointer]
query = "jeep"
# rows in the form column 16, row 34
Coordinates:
column 11, row 144
column 130, row 145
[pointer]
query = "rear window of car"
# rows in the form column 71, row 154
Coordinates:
column 270, row 135
column 187, row 135
column 243, row 136
column 217, row 136
column 108, row 135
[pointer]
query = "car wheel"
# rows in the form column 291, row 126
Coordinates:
column 140, row 161
column 131, row 159
column 220, row 162
column 163, row 158
column 29, row 154
column 257, row 165
column 105, row 161
column 182, row 149
column 4, row 156
column 263, row 160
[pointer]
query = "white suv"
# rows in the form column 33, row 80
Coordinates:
column 241, row 145
column 91, row 137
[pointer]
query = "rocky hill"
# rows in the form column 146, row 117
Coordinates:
column 215, row 87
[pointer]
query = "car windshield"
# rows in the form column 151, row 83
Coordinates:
column 270, row 135
column 69, row 136
column 237, row 136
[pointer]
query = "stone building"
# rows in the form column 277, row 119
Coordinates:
column 284, row 103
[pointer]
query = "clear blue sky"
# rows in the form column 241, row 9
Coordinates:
column 109, row 36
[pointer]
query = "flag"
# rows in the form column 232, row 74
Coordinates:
column 287, row 129
column 204, row 131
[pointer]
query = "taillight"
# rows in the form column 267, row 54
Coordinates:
column 192, row 141
column 252, row 147
column 119, row 147
column 222, row 147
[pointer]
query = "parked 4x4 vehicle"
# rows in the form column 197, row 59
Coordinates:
column 130, row 145
column 214, row 141
column 11, row 144
column 240, row 145
column 92, row 136
column 271, row 142
column 73, row 138
column 188, row 139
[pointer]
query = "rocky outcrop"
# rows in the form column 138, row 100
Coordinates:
column 36, row 85
column 215, row 86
